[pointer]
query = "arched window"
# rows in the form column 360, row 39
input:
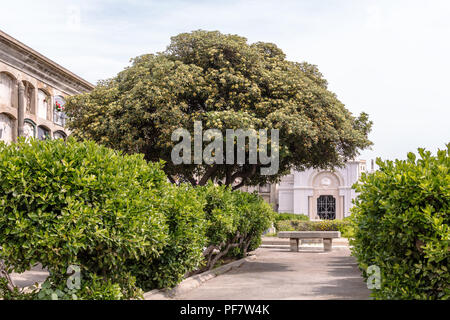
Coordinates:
column 6, row 128
column 59, row 117
column 43, row 105
column 43, row 133
column 29, row 129
column 59, row 135
column 6, row 89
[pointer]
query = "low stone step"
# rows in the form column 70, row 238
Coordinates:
column 307, row 247
column 284, row 241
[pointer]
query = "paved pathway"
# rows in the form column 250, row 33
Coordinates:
column 281, row 274
column 277, row 273
column 29, row 278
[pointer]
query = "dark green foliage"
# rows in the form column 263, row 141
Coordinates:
column 255, row 217
column 116, row 217
column 402, row 220
column 227, row 83
column 183, row 209
column 235, row 221
column 70, row 203
column 347, row 229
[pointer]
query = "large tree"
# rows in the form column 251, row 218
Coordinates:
column 226, row 83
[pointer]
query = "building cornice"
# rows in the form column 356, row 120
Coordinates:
column 25, row 59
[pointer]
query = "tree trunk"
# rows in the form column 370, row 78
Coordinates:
column 247, row 242
column 230, row 245
column 5, row 274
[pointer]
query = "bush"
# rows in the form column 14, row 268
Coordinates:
column 324, row 225
column 291, row 216
column 255, row 217
column 183, row 209
column 402, row 217
column 235, row 222
column 347, row 228
column 115, row 216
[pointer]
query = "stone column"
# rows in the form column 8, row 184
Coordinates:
column 294, row 244
column 327, row 244
column 21, row 109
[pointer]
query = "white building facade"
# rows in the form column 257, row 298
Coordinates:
column 320, row 194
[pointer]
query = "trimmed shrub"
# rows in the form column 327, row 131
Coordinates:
column 402, row 217
column 115, row 216
column 235, row 222
column 255, row 217
column 291, row 216
column 347, row 228
column 183, row 209
column 323, row 225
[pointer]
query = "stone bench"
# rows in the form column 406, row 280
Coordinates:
column 295, row 236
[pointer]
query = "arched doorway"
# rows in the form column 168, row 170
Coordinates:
column 326, row 201
column 326, row 207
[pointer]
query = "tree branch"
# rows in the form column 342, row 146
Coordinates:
column 171, row 179
column 211, row 170
column 240, row 184
column 243, row 175
column 191, row 180
column 231, row 244
column 5, row 274
column 209, row 250
column 228, row 176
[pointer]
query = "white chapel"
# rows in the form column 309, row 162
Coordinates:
column 320, row 194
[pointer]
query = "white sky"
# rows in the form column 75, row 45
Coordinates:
column 390, row 59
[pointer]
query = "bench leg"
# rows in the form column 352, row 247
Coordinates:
column 294, row 244
column 327, row 244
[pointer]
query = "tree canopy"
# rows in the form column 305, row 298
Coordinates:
column 226, row 83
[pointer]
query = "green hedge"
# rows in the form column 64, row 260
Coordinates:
column 323, row 225
column 347, row 228
column 183, row 210
column 115, row 216
column 402, row 217
column 235, row 222
column 255, row 217
column 291, row 216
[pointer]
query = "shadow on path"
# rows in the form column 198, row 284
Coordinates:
column 281, row 274
column 347, row 282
